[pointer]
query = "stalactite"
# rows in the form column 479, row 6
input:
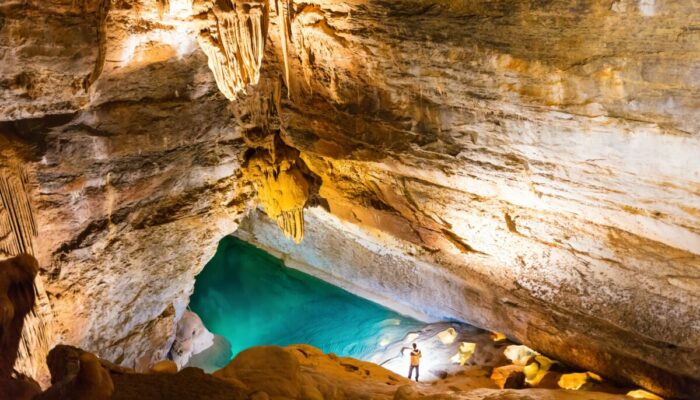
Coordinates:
column 292, row 223
column 232, row 34
column 281, row 186
column 284, row 16
column 103, row 10
column 17, row 224
column 36, row 336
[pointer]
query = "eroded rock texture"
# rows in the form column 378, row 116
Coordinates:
column 133, row 180
column 51, row 54
column 540, row 156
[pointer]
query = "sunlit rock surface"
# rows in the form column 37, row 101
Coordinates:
column 280, row 186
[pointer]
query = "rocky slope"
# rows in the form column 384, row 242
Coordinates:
column 534, row 162
column 295, row 372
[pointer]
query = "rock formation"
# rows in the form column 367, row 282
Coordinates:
column 529, row 167
column 281, row 187
column 16, row 301
column 76, row 374
column 535, row 162
column 232, row 34
column 133, row 179
column 191, row 338
column 18, row 231
column 17, row 236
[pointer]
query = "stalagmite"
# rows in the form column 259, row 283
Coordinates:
column 232, row 34
column 16, row 300
column 77, row 375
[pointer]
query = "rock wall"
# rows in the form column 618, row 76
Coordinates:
column 132, row 155
column 543, row 153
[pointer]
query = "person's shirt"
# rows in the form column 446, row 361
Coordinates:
column 415, row 357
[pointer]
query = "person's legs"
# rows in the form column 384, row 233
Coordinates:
column 410, row 371
column 417, row 369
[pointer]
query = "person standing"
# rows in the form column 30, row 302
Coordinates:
column 415, row 361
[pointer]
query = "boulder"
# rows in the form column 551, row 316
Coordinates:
column 164, row 367
column 509, row 377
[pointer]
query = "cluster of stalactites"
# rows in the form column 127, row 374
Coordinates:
column 232, row 34
column 17, row 225
column 292, row 224
column 281, row 186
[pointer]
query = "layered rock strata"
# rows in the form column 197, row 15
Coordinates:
column 543, row 154
column 131, row 155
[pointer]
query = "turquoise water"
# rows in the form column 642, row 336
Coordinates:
column 250, row 298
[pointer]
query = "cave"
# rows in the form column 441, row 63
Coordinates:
column 273, row 199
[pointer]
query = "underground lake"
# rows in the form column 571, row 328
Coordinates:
column 250, row 298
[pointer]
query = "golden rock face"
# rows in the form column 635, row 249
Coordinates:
column 282, row 188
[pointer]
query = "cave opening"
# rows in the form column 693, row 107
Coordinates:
column 247, row 297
